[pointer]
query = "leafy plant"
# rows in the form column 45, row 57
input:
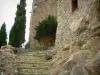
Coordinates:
column 46, row 28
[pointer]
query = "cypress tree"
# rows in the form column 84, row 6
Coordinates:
column 17, row 32
column 3, row 35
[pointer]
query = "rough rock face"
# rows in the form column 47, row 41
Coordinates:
column 7, row 61
column 79, row 62
column 77, row 25
column 40, row 10
column 77, row 38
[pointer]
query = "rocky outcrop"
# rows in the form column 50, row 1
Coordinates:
column 77, row 38
column 74, row 59
column 77, row 25
column 77, row 42
column 8, row 61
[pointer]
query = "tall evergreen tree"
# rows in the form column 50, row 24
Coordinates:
column 17, row 33
column 3, row 35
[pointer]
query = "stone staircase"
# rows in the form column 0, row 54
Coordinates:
column 32, row 63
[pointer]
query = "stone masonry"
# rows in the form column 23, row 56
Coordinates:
column 73, row 26
column 40, row 10
column 77, row 38
column 78, row 25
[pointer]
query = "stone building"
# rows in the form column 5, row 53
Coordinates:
column 40, row 10
column 78, row 21
column 77, row 38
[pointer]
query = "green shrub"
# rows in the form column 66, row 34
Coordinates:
column 46, row 28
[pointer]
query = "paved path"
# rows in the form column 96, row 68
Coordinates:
column 32, row 63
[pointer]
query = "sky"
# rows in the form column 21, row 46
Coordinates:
column 7, row 14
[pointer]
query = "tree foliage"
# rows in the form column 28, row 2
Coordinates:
column 17, row 32
column 3, row 35
column 46, row 28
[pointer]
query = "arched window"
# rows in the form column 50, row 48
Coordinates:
column 74, row 5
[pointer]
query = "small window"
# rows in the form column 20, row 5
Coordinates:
column 74, row 5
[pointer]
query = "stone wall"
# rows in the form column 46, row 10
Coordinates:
column 78, row 25
column 77, row 39
column 40, row 10
column 47, row 42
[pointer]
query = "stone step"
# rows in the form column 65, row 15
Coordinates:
column 21, row 62
column 31, row 71
column 32, row 54
column 26, row 58
column 32, row 63
column 31, row 74
column 26, row 67
column 32, row 60
column 26, row 55
column 36, row 52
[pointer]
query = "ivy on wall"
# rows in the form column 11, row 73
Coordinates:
column 47, row 27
